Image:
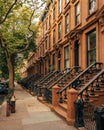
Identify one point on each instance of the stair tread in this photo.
(63, 105)
(99, 91)
(61, 112)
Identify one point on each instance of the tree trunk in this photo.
(11, 72)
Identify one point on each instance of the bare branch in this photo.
(9, 10)
(32, 17)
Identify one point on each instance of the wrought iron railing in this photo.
(81, 79)
(44, 77)
(56, 77)
(71, 72)
(91, 86)
(40, 86)
(28, 81)
(66, 77)
(86, 105)
(31, 82)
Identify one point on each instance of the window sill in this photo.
(66, 34)
(90, 15)
(76, 26)
(59, 40)
(54, 24)
(59, 16)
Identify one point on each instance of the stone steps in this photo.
(59, 110)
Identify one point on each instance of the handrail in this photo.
(60, 72)
(63, 76)
(89, 83)
(45, 76)
(48, 77)
(60, 91)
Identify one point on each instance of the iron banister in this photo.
(89, 83)
(82, 73)
(63, 76)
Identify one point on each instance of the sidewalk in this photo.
(30, 115)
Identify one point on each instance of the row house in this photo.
(71, 33)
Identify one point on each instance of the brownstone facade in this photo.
(71, 33)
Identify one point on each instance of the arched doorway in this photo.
(76, 53)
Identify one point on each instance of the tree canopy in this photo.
(18, 28)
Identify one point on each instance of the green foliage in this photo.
(16, 29)
(10, 93)
(17, 76)
(3, 65)
(14, 32)
(4, 6)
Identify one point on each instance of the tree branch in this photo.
(3, 46)
(9, 10)
(32, 17)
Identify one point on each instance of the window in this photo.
(49, 40)
(54, 15)
(59, 30)
(59, 63)
(92, 6)
(77, 13)
(66, 57)
(67, 23)
(49, 20)
(42, 32)
(40, 51)
(59, 6)
(46, 26)
(53, 62)
(91, 47)
(49, 63)
(46, 45)
(54, 33)
(66, 1)
(43, 49)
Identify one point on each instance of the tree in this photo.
(3, 65)
(17, 31)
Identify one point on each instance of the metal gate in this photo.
(88, 114)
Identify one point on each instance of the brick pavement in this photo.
(30, 115)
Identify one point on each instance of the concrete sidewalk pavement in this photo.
(30, 115)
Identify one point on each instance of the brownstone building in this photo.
(71, 33)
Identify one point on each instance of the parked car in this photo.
(4, 87)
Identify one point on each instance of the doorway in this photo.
(76, 53)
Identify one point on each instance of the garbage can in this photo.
(99, 118)
(12, 105)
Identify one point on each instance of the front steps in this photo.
(64, 110)
(61, 110)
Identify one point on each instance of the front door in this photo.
(76, 54)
